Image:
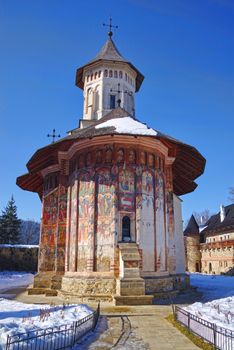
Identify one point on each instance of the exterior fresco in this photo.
(106, 213)
(147, 231)
(61, 231)
(73, 227)
(160, 223)
(126, 190)
(85, 220)
(48, 232)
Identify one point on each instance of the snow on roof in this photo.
(127, 125)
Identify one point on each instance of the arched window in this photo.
(126, 229)
(105, 73)
(110, 73)
(120, 74)
(87, 78)
(91, 78)
(99, 74)
(115, 74)
(95, 75)
(126, 77)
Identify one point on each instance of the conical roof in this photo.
(108, 52)
(192, 227)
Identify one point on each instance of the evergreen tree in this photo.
(9, 224)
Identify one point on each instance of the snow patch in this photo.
(127, 125)
(14, 279)
(218, 297)
(16, 317)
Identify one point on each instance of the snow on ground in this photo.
(218, 297)
(14, 279)
(128, 125)
(16, 317)
(213, 286)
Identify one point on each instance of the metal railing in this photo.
(54, 338)
(221, 338)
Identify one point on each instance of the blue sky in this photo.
(184, 48)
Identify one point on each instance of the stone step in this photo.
(38, 291)
(133, 300)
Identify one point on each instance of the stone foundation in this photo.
(88, 287)
(166, 283)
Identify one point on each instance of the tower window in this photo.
(87, 78)
(105, 73)
(126, 77)
(99, 73)
(120, 74)
(112, 101)
(110, 74)
(95, 76)
(116, 74)
(91, 78)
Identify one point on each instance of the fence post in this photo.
(188, 321)
(7, 343)
(215, 336)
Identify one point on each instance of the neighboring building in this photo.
(192, 246)
(214, 244)
(111, 224)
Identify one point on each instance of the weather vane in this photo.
(110, 25)
(53, 136)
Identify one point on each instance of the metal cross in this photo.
(118, 92)
(110, 25)
(53, 135)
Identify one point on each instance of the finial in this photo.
(110, 25)
(53, 136)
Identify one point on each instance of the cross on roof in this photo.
(110, 25)
(53, 136)
(119, 91)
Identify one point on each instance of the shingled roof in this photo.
(192, 228)
(188, 164)
(109, 52)
(214, 224)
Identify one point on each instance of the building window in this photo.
(105, 73)
(110, 74)
(95, 76)
(126, 77)
(126, 228)
(116, 74)
(112, 101)
(120, 74)
(87, 78)
(99, 74)
(91, 78)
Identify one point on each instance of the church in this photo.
(111, 226)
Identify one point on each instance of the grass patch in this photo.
(194, 338)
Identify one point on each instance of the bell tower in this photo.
(108, 81)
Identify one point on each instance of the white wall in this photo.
(179, 237)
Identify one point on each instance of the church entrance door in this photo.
(126, 229)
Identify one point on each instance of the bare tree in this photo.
(231, 194)
(202, 217)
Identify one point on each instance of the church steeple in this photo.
(108, 81)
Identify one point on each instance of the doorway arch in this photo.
(126, 229)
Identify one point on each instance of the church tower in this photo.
(108, 81)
